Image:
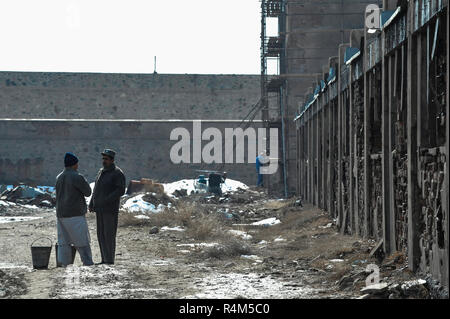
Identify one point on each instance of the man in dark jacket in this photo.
(105, 201)
(71, 190)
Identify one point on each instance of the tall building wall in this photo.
(314, 30)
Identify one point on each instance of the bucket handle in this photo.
(51, 243)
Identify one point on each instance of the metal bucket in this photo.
(40, 255)
(74, 251)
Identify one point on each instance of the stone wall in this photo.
(126, 96)
(32, 151)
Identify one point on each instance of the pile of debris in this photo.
(157, 199)
(145, 185)
(146, 195)
(11, 285)
(413, 289)
(239, 196)
(27, 195)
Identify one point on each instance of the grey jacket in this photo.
(109, 187)
(71, 189)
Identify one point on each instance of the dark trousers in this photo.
(106, 234)
(260, 180)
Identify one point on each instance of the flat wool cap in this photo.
(109, 152)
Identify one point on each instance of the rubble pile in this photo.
(157, 199)
(239, 196)
(27, 195)
(11, 285)
(144, 185)
(413, 289)
(146, 203)
(389, 279)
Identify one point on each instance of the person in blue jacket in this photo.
(259, 163)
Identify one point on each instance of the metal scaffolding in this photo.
(272, 86)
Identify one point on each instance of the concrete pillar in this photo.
(319, 152)
(414, 63)
(310, 157)
(330, 155)
(355, 41)
(350, 139)
(324, 135)
(447, 142)
(315, 152)
(367, 128)
(341, 145)
(299, 158)
(387, 160)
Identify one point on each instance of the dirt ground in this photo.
(205, 247)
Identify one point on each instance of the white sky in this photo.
(197, 36)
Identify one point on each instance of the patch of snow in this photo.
(241, 234)
(176, 228)
(252, 257)
(267, 222)
(337, 260)
(5, 203)
(278, 239)
(412, 283)
(30, 206)
(196, 245)
(4, 265)
(161, 262)
(230, 185)
(326, 226)
(251, 286)
(142, 217)
(12, 219)
(187, 184)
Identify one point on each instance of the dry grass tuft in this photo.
(229, 247)
(127, 219)
(172, 217)
(199, 223)
(277, 204)
(340, 271)
(204, 226)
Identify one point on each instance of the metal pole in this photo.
(284, 143)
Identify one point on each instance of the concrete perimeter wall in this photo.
(58, 95)
(32, 150)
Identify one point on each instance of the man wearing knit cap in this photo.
(105, 201)
(71, 190)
